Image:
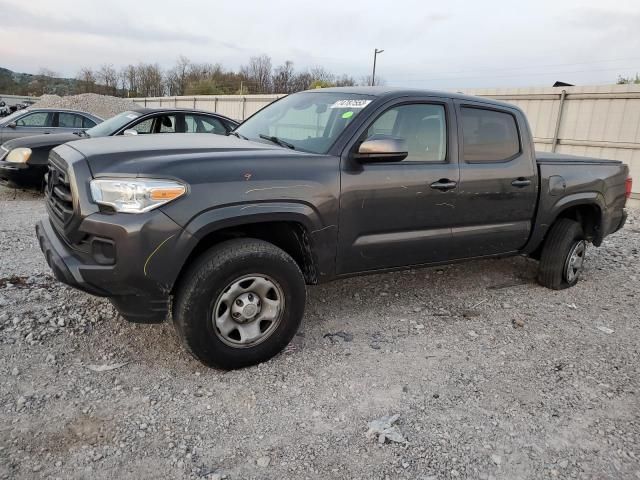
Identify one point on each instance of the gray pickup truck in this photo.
(225, 232)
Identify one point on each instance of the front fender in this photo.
(245, 213)
(320, 238)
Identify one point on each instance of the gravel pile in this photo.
(103, 106)
(478, 372)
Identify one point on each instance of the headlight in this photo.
(19, 155)
(135, 195)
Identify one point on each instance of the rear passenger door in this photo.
(498, 187)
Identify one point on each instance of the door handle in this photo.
(521, 182)
(444, 184)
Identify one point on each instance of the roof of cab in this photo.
(393, 92)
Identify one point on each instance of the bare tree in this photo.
(150, 80)
(301, 81)
(129, 79)
(188, 78)
(178, 76)
(345, 81)
(283, 78)
(258, 73)
(86, 80)
(366, 81)
(44, 82)
(321, 76)
(107, 76)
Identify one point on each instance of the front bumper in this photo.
(21, 175)
(65, 266)
(137, 272)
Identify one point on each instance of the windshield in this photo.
(112, 125)
(307, 121)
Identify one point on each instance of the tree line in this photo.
(258, 76)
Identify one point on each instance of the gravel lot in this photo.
(492, 375)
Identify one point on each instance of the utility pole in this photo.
(373, 75)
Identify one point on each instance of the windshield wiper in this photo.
(81, 133)
(236, 134)
(277, 141)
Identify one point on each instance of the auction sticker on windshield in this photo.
(350, 104)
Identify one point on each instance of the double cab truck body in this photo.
(224, 232)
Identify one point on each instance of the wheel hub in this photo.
(248, 310)
(245, 307)
(575, 261)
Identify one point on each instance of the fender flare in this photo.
(545, 220)
(210, 221)
(241, 214)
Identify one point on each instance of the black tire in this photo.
(207, 280)
(564, 237)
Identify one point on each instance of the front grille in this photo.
(58, 190)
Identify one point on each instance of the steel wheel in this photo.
(575, 261)
(248, 311)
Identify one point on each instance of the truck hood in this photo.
(40, 141)
(145, 155)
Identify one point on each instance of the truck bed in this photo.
(560, 158)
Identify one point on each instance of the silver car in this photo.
(37, 121)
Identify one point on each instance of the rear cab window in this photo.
(489, 136)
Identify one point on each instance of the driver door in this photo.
(32, 123)
(397, 213)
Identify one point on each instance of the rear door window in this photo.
(88, 123)
(489, 136)
(69, 120)
(203, 124)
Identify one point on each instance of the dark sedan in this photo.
(23, 162)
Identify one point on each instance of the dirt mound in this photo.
(103, 106)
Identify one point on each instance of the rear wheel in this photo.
(239, 304)
(563, 255)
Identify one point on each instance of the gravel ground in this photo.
(492, 376)
(103, 106)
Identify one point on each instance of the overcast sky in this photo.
(427, 43)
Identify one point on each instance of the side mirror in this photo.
(12, 125)
(130, 132)
(382, 148)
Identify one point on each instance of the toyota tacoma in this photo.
(223, 233)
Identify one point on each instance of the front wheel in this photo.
(563, 255)
(239, 304)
